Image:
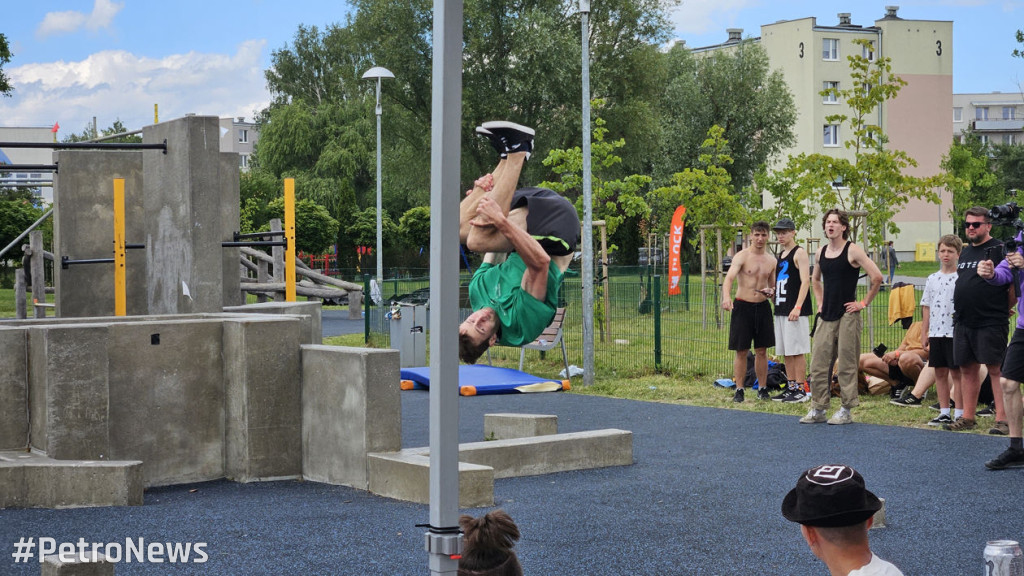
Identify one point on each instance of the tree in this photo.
(116, 128)
(5, 57)
(19, 209)
(707, 191)
(315, 230)
(613, 200)
(734, 89)
(970, 178)
(1017, 52)
(874, 180)
(414, 227)
(363, 229)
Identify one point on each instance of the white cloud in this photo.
(703, 16)
(118, 84)
(102, 15)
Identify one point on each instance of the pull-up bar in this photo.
(87, 145)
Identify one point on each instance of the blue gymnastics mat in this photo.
(479, 379)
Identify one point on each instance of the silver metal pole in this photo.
(443, 539)
(588, 217)
(380, 257)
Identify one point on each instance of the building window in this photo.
(981, 113)
(1008, 112)
(830, 49)
(958, 114)
(243, 161)
(1008, 139)
(828, 96)
(869, 52)
(831, 135)
(984, 139)
(243, 136)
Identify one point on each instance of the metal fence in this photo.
(644, 330)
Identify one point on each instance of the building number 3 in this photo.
(938, 47)
(801, 49)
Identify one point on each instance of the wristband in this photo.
(863, 303)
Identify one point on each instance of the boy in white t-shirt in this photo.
(937, 323)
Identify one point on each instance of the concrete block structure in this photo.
(83, 228)
(31, 480)
(55, 566)
(505, 426)
(344, 416)
(405, 475)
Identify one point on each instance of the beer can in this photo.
(1003, 558)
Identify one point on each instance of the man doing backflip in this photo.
(515, 300)
(754, 270)
(838, 331)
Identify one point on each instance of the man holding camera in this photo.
(981, 320)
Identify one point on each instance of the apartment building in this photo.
(812, 57)
(997, 118)
(39, 181)
(237, 135)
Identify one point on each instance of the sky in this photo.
(78, 59)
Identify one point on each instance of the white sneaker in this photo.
(843, 416)
(813, 417)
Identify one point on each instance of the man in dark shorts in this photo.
(981, 320)
(753, 269)
(1012, 368)
(513, 300)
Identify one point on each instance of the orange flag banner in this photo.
(675, 242)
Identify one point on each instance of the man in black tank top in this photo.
(839, 323)
(792, 309)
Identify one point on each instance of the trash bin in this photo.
(409, 334)
(924, 252)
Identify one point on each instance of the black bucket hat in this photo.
(830, 496)
(784, 224)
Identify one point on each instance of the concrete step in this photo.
(405, 475)
(31, 480)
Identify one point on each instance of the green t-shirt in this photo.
(522, 316)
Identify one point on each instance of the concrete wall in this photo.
(310, 313)
(83, 228)
(350, 407)
(183, 216)
(230, 217)
(263, 436)
(13, 389)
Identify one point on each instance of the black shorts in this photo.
(1013, 364)
(940, 352)
(751, 322)
(985, 345)
(550, 219)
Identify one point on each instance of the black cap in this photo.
(784, 224)
(830, 496)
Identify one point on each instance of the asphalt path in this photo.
(336, 323)
(702, 497)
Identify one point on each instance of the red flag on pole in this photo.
(675, 268)
(56, 126)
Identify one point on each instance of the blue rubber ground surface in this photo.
(702, 498)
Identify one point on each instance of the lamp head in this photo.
(378, 73)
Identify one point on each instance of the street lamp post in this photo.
(588, 208)
(379, 73)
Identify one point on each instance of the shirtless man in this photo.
(754, 270)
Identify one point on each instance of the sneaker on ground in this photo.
(940, 420)
(907, 399)
(762, 394)
(843, 416)
(495, 141)
(1000, 428)
(1010, 458)
(516, 137)
(936, 407)
(781, 397)
(797, 397)
(989, 410)
(813, 417)
(961, 425)
(738, 396)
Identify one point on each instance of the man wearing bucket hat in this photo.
(834, 511)
(792, 311)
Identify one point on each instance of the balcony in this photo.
(998, 125)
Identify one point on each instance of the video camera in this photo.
(1005, 215)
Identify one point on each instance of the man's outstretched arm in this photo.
(535, 279)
